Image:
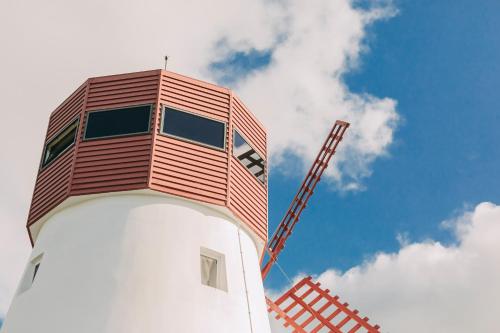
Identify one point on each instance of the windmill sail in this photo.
(307, 308)
(299, 203)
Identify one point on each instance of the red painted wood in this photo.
(310, 318)
(299, 202)
(153, 160)
(52, 183)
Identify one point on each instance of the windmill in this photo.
(150, 213)
(306, 307)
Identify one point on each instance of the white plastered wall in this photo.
(131, 263)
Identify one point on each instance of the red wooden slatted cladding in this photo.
(307, 308)
(120, 163)
(153, 160)
(52, 182)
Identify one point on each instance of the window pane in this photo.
(194, 128)
(35, 271)
(249, 157)
(124, 121)
(60, 143)
(208, 271)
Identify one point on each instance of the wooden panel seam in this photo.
(79, 135)
(155, 128)
(229, 148)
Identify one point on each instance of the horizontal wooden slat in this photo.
(190, 179)
(124, 169)
(243, 173)
(112, 151)
(204, 94)
(46, 204)
(259, 214)
(241, 191)
(257, 142)
(207, 156)
(66, 112)
(248, 198)
(248, 191)
(195, 158)
(117, 175)
(190, 107)
(247, 131)
(60, 163)
(144, 157)
(201, 85)
(250, 117)
(169, 142)
(255, 215)
(111, 156)
(111, 93)
(144, 163)
(90, 146)
(174, 94)
(107, 183)
(161, 168)
(185, 193)
(124, 140)
(183, 183)
(110, 80)
(124, 101)
(108, 188)
(34, 216)
(58, 125)
(124, 86)
(58, 180)
(190, 161)
(119, 95)
(166, 163)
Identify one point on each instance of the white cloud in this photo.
(50, 47)
(301, 92)
(430, 287)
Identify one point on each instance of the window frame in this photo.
(87, 115)
(162, 132)
(221, 270)
(76, 122)
(264, 183)
(30, 274)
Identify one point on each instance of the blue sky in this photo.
(441, 63)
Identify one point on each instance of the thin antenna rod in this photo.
(166, 60)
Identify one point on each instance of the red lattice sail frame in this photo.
(306, 190)
(306, 308)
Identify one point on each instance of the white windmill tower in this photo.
(142, 218)
(149, 214)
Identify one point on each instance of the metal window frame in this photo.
(87, 114)
(263, 182)
(74, 121)
(162, 132)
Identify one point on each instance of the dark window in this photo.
(194, 128)
(117, 122)
(35, 271)
(249, 157)
(60, 143)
